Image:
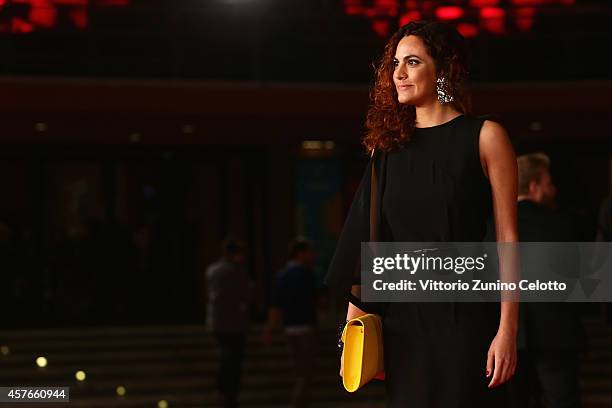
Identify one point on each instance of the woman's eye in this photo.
(413, 62)
(395, 63)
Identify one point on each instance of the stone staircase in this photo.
(177, 364)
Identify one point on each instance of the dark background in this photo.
(135, 135)
(293, 40)
(133, 144)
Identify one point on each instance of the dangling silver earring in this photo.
(444, 95)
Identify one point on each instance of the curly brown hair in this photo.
(390, 124)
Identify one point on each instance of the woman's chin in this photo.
(404, 99)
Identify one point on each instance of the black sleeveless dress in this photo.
(431, 190)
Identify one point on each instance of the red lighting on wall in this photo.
(386, 7)
(71, 2)
(353, 7)
(492, 19)
(408, 17)
(113, 3)
(494, 26)
(381, 27)
(449, 13)
(484, 3)
(492, 13)
(19, 25)
(471, 17)
(79, 18)
(43, 14)
(467, 30)
(528, 2)
(524, 18)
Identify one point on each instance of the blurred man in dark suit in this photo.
(294, 304)
(604, 221)
(604, 234)
(552, 333)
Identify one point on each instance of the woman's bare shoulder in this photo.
(492, 129)
(495, 146)
(494, 138)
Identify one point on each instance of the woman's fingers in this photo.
(501, 359)
(512, 369)
(507, 371)
(504, 370)
(490, 363)
(496, 372)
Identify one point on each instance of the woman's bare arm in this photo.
(499, 165)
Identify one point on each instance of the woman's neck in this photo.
(434, 114)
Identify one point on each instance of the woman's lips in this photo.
(403, 87)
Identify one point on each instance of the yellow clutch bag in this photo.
(362, 352)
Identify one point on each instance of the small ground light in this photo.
(312, 144)
(535, 126)
(5, 350)
(162, 404)
(121, 390)
(41, 362)
(135, 137)
(80, 375)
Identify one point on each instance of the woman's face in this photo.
(415, 72)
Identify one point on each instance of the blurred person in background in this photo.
(228, 292)
(12, 290)
(294, 304)
(604, 221)
(604, 234)
(552, 332)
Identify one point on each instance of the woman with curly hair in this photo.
(442, 175)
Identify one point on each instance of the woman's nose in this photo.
(400, 73)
